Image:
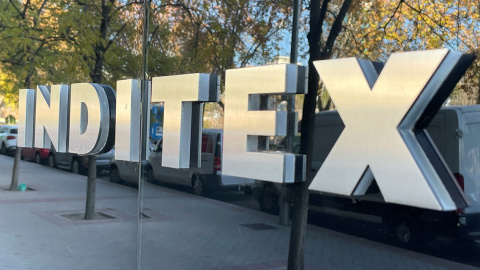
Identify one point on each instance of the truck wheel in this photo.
(197, 186)
(269, 200)
(75, 167)
(405, 231)
(115, 175)
(38, 159)
(150, 175)
(51, 161)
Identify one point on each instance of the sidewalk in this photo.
(179, 231)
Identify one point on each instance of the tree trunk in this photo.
(16, 162)
(300, 194)
(296, 252)
(91, 182)
(319, 50)
(18, 151)
(97, 77)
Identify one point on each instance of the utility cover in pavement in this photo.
(259, 226)
(81, 216)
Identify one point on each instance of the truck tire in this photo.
(75, 166)
(51, 161)
(115, 175)
(38, 159)
(150, 175)
(269, 199)
(197, 186)
(405, 231)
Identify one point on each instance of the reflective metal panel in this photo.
(181, 95)
(244, 120)
(379, 140)
(51, 117)
(26, 117)
(89, 118)
(127, 134)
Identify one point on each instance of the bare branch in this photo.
(41, 7)
(115, 37)
(432, 28)
(16, 8)
(336, 28)
(129, 4)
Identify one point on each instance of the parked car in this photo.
(455, 130)
(38, 155)
(78, 164)
(205, 178)
(8, 138)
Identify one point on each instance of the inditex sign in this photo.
(384, 115)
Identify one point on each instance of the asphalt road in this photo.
(459, 250)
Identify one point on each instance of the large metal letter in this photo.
(182, 96)
(51, 117)
(26, 117)
(127, 138)
(385, 117)
(92, 114)
(244, 122)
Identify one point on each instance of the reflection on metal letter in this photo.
(51, 117)
(183, 96)
(244, 121)
(26, 117)
(385, 116)
(92, 110)
(127, 138)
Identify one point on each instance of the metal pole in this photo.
(143, 130)
(283, 199)
(294, 44)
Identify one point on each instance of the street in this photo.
(449, 249)
(459, 250)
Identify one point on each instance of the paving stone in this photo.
(184, 231)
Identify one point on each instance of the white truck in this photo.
(456, 132)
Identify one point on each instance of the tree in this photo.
(374, 30)
(402, 25)
(215, 35)
(326, 21)
(98, 27)
(29, 39)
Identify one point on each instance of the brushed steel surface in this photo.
(26, 117)
(127, 133)
(182, 96)
(244, 121)
(380, 113)
(51, 117)
(89, 118)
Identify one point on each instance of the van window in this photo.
(207, 144)
(13, 131)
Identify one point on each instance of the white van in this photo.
(456, 132)
(207, 177)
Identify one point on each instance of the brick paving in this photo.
(182, 231)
